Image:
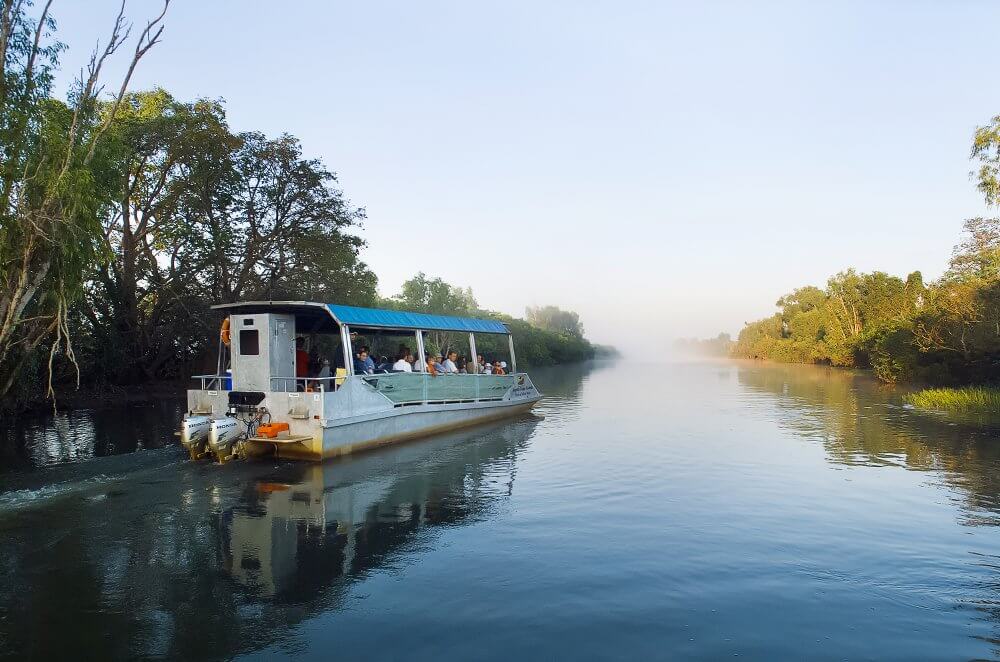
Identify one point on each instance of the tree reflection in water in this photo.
(863, 422)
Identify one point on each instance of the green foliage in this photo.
(201, 215)
(973, 399)
(891, 352)
(535, 345)
(123, 220)
(986, 151)
(552, 318)
(948, 332)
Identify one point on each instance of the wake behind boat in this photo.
(267, 404)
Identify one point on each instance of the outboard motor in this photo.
(223, 435)
(194, 434)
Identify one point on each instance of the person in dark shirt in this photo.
(363, 364)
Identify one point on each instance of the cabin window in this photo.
(249, 342)
(248, 321)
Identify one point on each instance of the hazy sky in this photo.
(664, 169)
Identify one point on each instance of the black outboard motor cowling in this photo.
(245, 401)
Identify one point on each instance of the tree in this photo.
(978, 255)
(552, 318)
(435, 296)
(986, 151)
(145, 301)
(273, 222)
(51, 187)
(203, 216)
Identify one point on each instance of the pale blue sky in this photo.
(664, 169)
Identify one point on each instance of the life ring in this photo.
(224, 332)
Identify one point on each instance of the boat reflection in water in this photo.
(193, 562)
(302, 528)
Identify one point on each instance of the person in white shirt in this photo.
(404, 363)
(449, 363)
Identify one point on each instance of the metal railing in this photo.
(215, 382)
(402, 388)
(307, 384)
(282, 384)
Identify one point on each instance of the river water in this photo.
(686, 510)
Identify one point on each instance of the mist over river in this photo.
(684, 510)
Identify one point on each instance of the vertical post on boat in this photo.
(475, 364)
(420, 349)
(472, 348)
(345, 340)
(422, 358)
(513, 361)
(218, 369)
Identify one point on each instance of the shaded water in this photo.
(693, 510)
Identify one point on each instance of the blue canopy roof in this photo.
(401, 319)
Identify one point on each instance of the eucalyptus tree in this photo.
(51, 186)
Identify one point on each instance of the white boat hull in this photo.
(402, 425)
(364, 414)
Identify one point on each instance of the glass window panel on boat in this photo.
(408, 388)
(250, 342)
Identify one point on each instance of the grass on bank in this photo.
(975, 399)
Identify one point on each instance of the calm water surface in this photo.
(689, 510)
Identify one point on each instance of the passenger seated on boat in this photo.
(449, 367)
(404, 361)
(498, 368)
(363, 364)
(433, 365)
(324, 371)
(462, 365)
(369, 361)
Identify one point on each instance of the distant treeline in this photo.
(944, 332)
(547, 336)
(721, 345)
(123, 220)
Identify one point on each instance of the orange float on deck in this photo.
(271, 430)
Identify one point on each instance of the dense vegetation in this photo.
(945, 332)
(123, 219)
(974, 399)
(548, 336)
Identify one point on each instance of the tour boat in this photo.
(261, 407)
